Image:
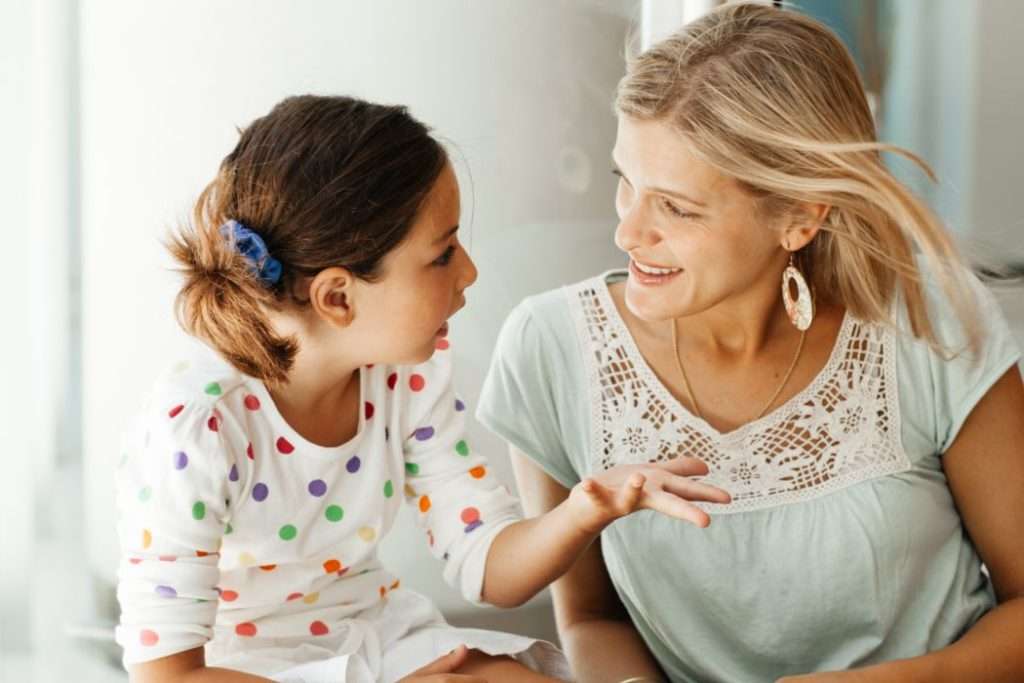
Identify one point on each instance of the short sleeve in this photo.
(460, 504)
(958, 379)
(523, 396)
(172, 499)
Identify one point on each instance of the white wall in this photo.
(522, 87)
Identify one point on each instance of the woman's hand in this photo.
(666, 487)
(442, 669)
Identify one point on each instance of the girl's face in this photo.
(692, 234)
(404, 313)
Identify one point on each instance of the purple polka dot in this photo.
(353, 464)
(424, 433)
(387, 434)
(166, 592)
(474, 525)
(233, 474)
(260, 492)
(180, 460)
(459, 406)
(317, 487)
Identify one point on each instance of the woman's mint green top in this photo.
(842, 546)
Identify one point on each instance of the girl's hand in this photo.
(442, 669)
(665, 487)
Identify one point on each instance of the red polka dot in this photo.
(248, 452)
(247, 629)
(318, 628)
(470, 515)
(331, 566)
(213, 423)
(228, 596)
(368, 410)
(148, 638)
(201, 553)
(173, 413)
(442, 345)
(417, 382)
(252, 403)
(284, 446)
(392, 380)
(294, 596)
(383, 591)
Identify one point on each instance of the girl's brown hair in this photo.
(324, 181)
(773, 99)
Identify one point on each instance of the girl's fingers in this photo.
(631, 492)
(685, 466)
(694, 490)
(674, 506)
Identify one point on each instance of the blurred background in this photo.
(116, 113)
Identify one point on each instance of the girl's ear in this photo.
(332, 296)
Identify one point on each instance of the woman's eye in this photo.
(445, 258)
(676, 211)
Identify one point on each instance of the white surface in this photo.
(524, 90)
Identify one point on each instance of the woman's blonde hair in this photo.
(773, 99)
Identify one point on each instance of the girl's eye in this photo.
(445, 258)
(676, 211)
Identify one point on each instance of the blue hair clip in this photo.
(251, 246)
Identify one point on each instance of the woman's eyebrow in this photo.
(661, 190)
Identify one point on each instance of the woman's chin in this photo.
(652, 308)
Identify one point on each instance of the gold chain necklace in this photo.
(689, 391)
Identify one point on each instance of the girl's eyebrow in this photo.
(661, 190)
(448, 234)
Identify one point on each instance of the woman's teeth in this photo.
(651, 270)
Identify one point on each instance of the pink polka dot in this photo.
(252, 403)
(368, 410)
(442, 345)
(392, 380)
(135, 560)
(283, 446)
(173, 413)
(294, 596)
(470, 515)
(318, 628)
(148, 638)
(247, 629)
(417, 382)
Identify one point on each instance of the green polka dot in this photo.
(213, 389)
(334, 513)
(462, 448)
(389, 489)
(228, 530)
(144, 493)
(412, 468)
(124, 459)
(288, 532)
(199, 510)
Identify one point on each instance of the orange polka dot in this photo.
(424, 503)
(383, 591)
(247, 629)
(311, 598)
(470, 515)
(331, 566)
(417, 382)
(201, 553)
(147, 538)
(148, 638)
(268, 567)
(228, 596)
(478, 472)
(396, 584)
(318, 628)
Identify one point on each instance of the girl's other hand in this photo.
(442, 669)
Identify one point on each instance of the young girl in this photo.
(321, 269)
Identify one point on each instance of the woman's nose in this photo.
(634, 229)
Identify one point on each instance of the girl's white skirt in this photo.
(381, 645)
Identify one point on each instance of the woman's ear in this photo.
(805, 223)
(332, 296)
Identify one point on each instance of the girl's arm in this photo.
(596, 633)
(530, 554)
(188, 667)
(985, 469)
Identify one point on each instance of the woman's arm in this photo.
(597, 635)
(985, 470)
(528, 555)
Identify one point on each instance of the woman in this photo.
(867, 422)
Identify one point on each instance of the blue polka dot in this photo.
(166, 592)
(180, 460)
(353, 464)
(260, 492)
(424, 433)
(317, 487)
(233, 474)
(459, 406)
(474, 525)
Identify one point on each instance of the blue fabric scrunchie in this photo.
(252, 247)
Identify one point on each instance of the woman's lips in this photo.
(650, 279)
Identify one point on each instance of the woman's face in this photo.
(692, 234)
